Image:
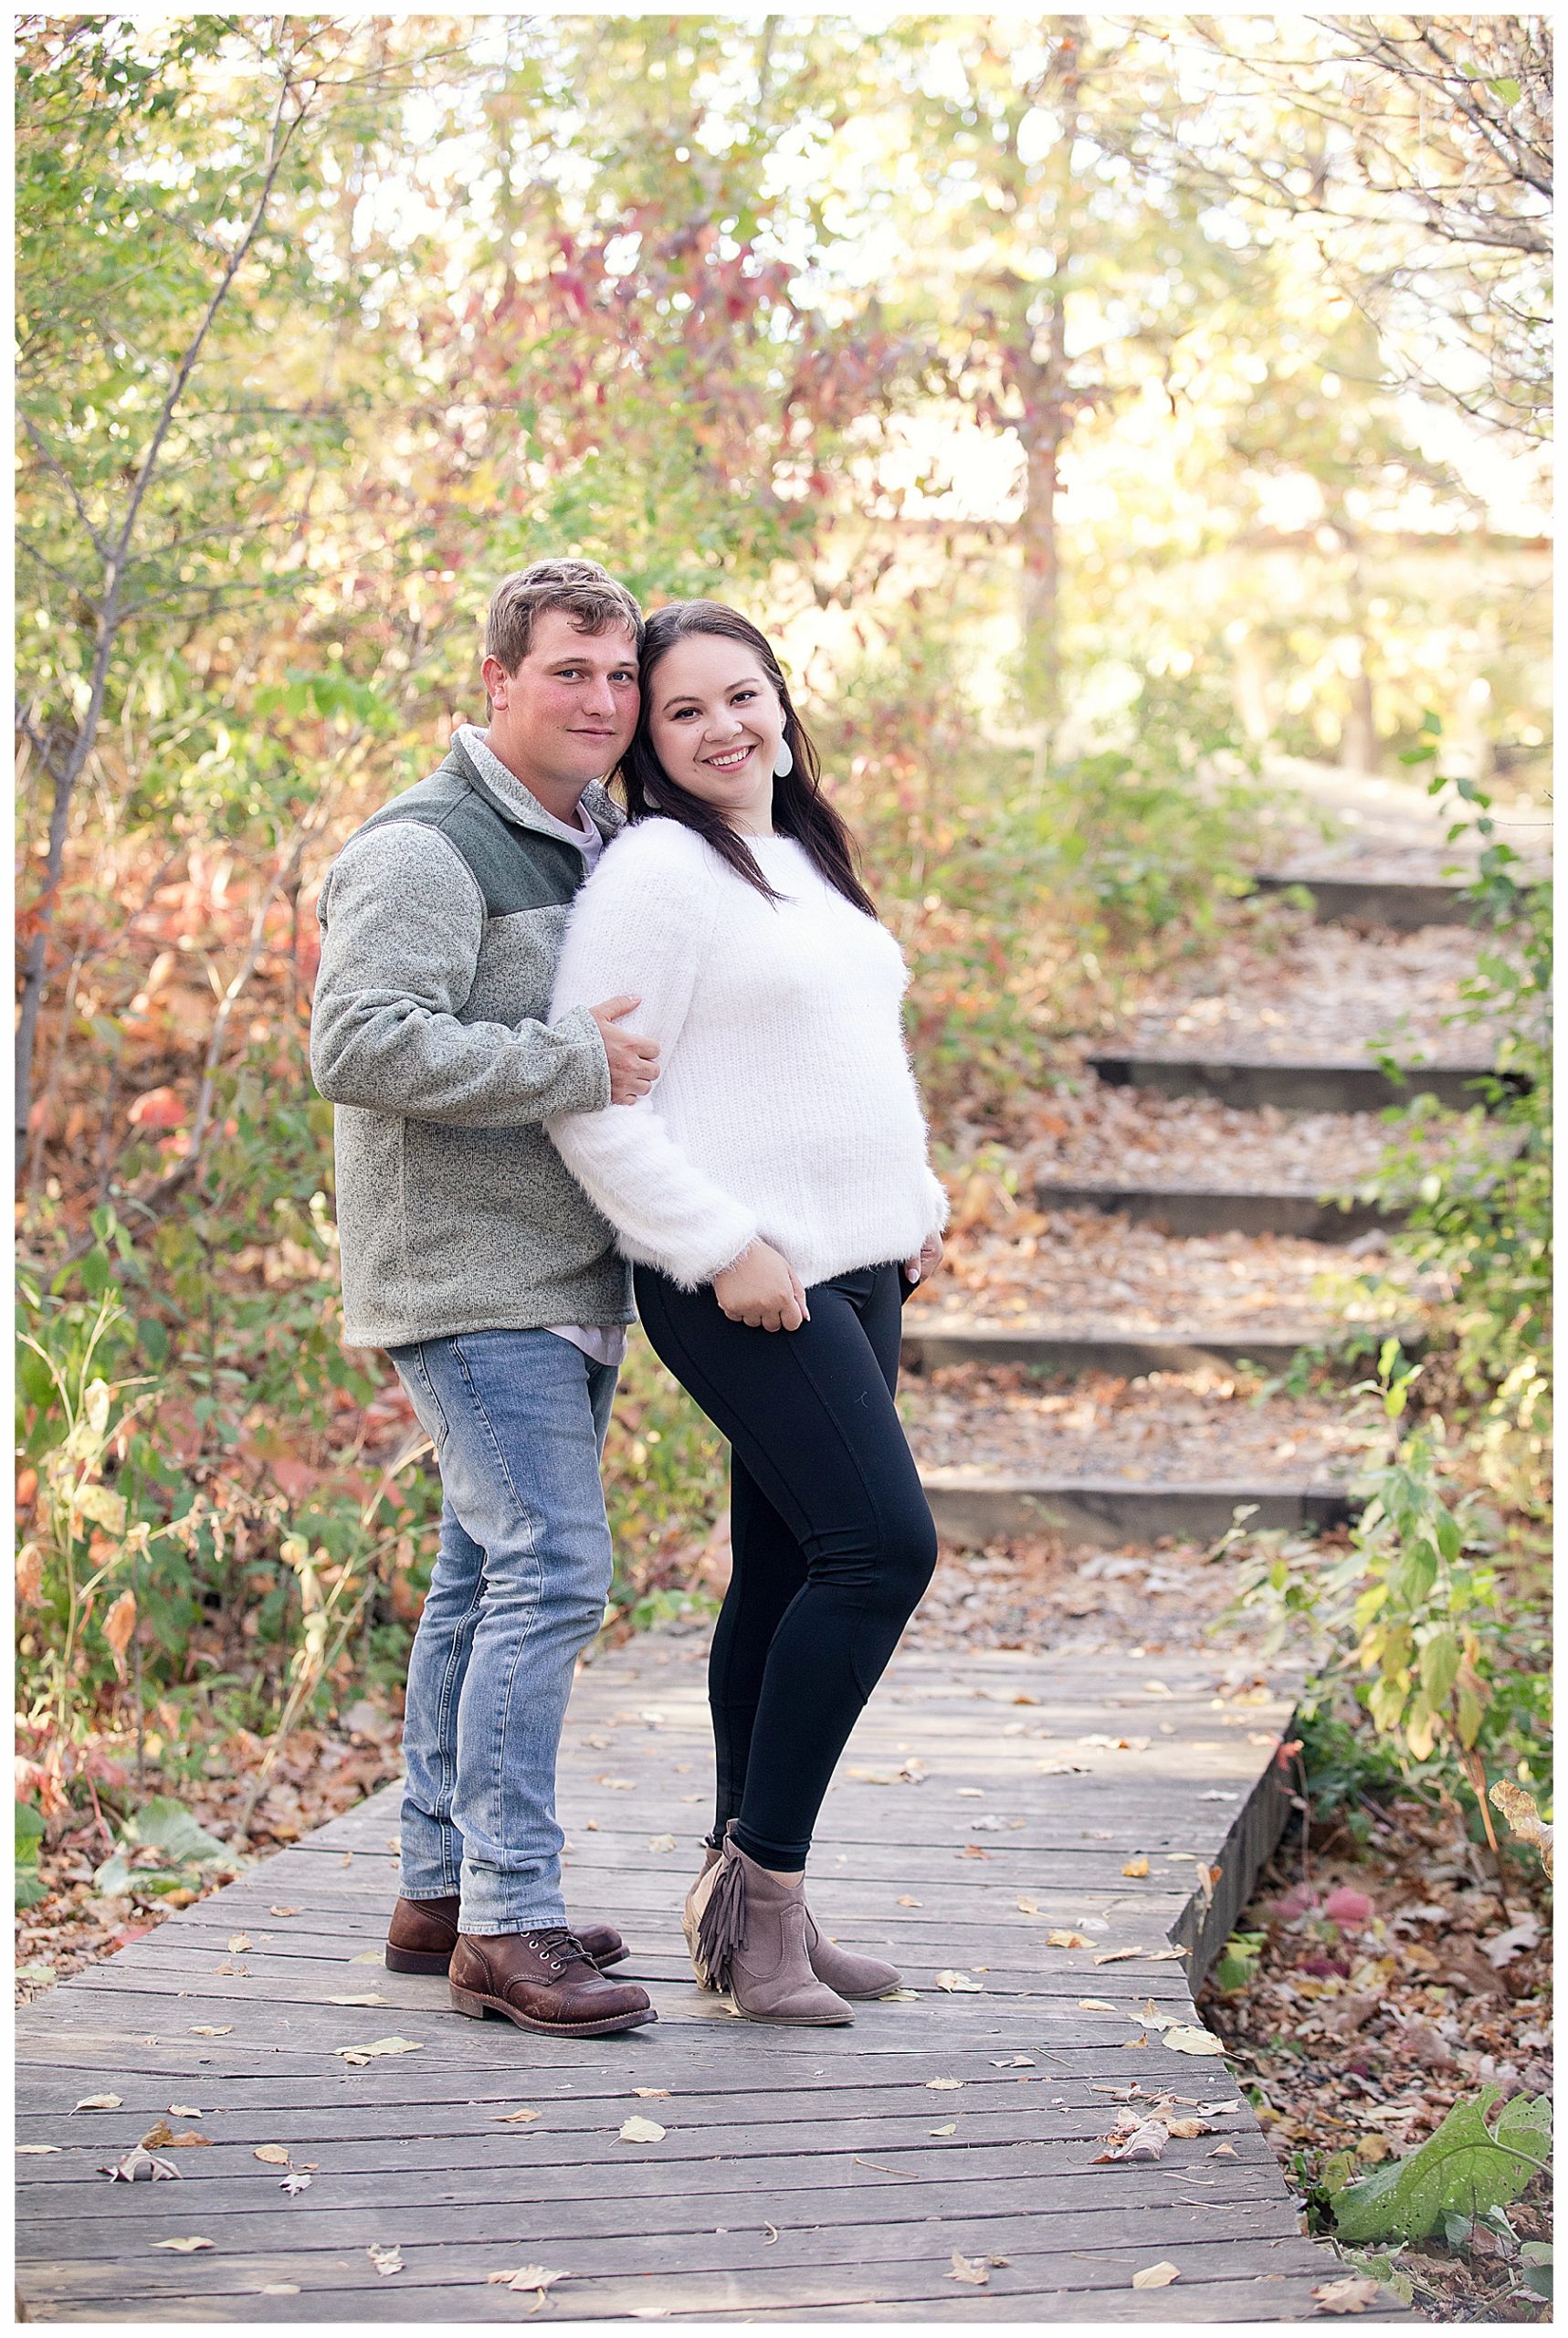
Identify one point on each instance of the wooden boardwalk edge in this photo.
(985, 1801)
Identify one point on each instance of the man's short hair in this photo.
(588, 593)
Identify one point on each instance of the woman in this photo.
(774, 1195)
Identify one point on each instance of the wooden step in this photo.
(1350, 1086)
(1400, 906)
(1103, 1513)
(1218, 1209)
(981, 1340)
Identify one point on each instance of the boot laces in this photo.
(560, 1945)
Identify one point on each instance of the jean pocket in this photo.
(420, 1389)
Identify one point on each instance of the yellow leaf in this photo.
(238, 1942)
(1067, 1940)
(186, 2248)
(951, 2129)
(1137, 1865)
(943, 2086)
(275, 2154)
(653, 2093)
(370, 1998)
(1028, 1907)
(974, 2269)
(642, 2130)
(524, 2118)
(1182, 2039)
(355, 2055)
(1157, 2277)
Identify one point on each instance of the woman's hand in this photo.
(929, 1261)
(762, 1289)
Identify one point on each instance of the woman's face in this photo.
(716, 722)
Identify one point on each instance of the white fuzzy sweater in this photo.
(785, 1104)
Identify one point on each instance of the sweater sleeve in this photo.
(643, 925)
(400, 944)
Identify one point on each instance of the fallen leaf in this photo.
(184, 2110)
(653, 2093)
(1157, 2277)
(370, 1998)
(278, 2289)
(99, 2102)
(902, 1998)
(1116, 1955)
(385, 2260)
(1068, 1940)
(1137, 1865)
(526, 2277)
(186, 2248)
(642, 2130)
(294, 2182)
(1187, 2130)
(974, 2269)
(1095, 2005)
(524, 2118)
(1028, 1907)
(1503, 1947)
(282, 1911)
(359, 2054)
(369, 1957)
(1013, 2062)
(1182, 2039)
(275, 2154)
(951, 2129)
(140, 2166)
(186, 2142)
(38, 2151)
(238, 1942)
(970, 1794)
(1134, 2139)
(655, 1843)
(943, 2086)
(956, 1982)
(211, 2028)
(907, 1903)
(1225, 2151)
(1353, 2293)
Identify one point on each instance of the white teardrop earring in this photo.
(783, 762)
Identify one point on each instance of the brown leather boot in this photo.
(751, 1935)
(423, 1933)
(542, 1980)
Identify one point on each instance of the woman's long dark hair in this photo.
(800, 808)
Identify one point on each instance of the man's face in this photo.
(567, 714)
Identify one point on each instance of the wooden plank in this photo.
(834, 2141)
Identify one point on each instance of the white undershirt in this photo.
(600, 1342)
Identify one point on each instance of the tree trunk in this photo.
(1042, 377)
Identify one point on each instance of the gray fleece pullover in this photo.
(441, 923)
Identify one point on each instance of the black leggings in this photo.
(832, 1536)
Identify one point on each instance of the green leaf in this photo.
(1507, 90)
(1465, 2169)
(166, 1826)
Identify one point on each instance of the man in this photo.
(470, 1254)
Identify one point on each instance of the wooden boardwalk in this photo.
(814, 2175)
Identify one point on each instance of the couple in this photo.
(572, 1055)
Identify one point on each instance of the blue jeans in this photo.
(518, 1420)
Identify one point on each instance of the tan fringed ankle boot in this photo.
(749, 1938)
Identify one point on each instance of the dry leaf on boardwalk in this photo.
(1157, 2277)
(642, 2130)
(524, 2118)
(186, 2248)
(1118, 1955)
(386, 2260)
(956, 1982)
(1187, 2130)
(1068, 1940)
(295, 2181)
(369, 1957)
(655, 1843)
(140, 2166)
(184, 2110)
(38, 2151)
(951, 2129)
(1132, 2138)
(1225, 2151)
(1026, 1907)
(526, 2277)
(285, 1911)
(368, 1997)
(1351, 2294)
(275, 2154)
(279, 2290)
(1183, 2039)
(356, 2055)
(238, 1942)
(99, 2102)
(653, 2093)
(211, 2028)
(1096, 2004)
(974, 2269)
(905, 1902)
(943, 2086)
(1138, 1865)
